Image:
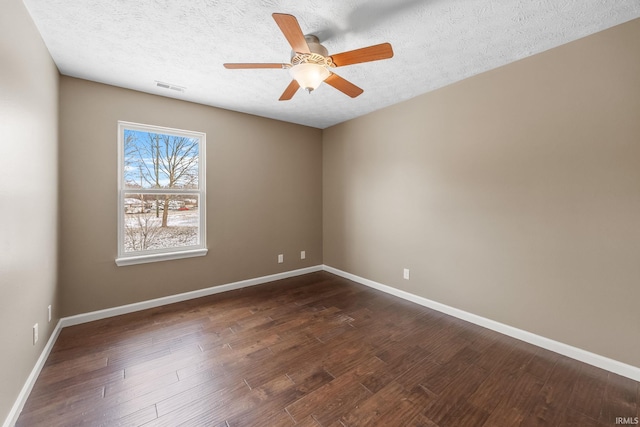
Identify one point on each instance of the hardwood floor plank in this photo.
(204, 409)
(574, 418)
(507, 368)
(512, 410)
(34, 411)
(494, 355)
(447, 345)
(310, 379)
(555, 394)
(465, 414)
(261, 417)
(441, 377)
(415, 403)
(542, 363)
(137, 418)
(395, 368)
(620, 399)
(421, 420)
(129, 389)
(308, 422)
(445, 409)
(588, 392)
(345, 384)
(76, 365)
(168, 363)
(281, 363)
(176, 399)
(345, 400)
(261, 406)
(316, 351)
(73, 385)
(130, 400)
(375, 406)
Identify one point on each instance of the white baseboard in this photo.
(130, 308)
(602, 362)
(14, 413)
(143, 305)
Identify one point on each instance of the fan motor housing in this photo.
(314, 45)
(319, 54)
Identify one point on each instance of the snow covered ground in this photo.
(144, 231)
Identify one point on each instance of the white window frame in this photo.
(155, 255)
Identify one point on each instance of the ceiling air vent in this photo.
(170, 86)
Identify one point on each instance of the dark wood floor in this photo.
(315, 350)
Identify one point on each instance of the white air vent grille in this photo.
(170, 86)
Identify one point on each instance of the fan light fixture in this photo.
(309, 75)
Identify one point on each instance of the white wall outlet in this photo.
(405, 274)
(303, 254)
(35, 333)
(280, 258)
(49, 312)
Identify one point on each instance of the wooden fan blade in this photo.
(241, 66)
(344, 86)
(365, 54)
(290, 91)
(291, 29)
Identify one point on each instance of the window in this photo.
(161, 194)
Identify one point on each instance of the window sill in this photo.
(143, 259)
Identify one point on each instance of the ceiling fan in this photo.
(310, 62)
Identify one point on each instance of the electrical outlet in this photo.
(35, 333)
(405, 274)
(280, 258)
(303, 254)
(49, 312)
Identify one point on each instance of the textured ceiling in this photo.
(134, 43)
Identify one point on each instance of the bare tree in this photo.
(164, 161)
(142, 233)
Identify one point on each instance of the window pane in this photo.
(157, 160)
(160, 221)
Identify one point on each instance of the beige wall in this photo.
(514, 195)
(28, 197)
(264, 197)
